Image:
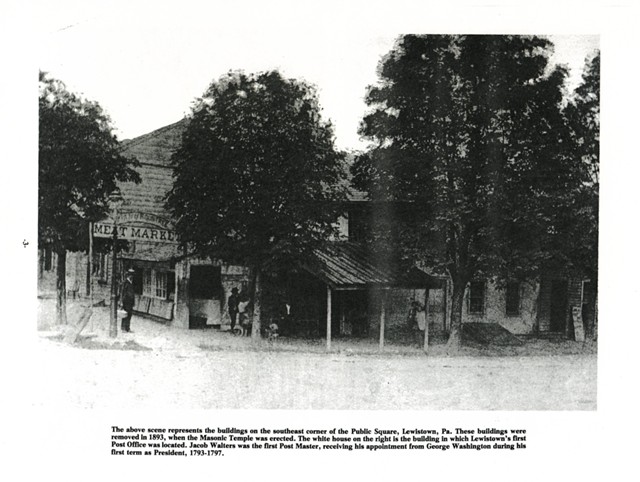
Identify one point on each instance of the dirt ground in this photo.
(158, 366)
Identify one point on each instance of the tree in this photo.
(583, 114)
(79, 164)
(257, 177)
(469, 131)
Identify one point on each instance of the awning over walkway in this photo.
(150, 255)
(349, 266)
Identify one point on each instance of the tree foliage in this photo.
(469, 130)
(79, 164)
(583, 114)
(257, 177)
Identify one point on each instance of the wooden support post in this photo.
(113, 305)
(328, 318)
(89, 283)
(426, 320)
(176, 278)
(382, 318)
(90, 272)
(595, 316)
(445, 295)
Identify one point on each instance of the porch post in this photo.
(445, 311)
(426, 320)
(382, 318)
(89, 283)
(176, 279)
(328, 317)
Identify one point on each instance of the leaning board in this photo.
(578, 327)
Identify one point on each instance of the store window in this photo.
(476, 297)
(357, 224)
(158, 284)
(161, 284)
(48, 259)
(99, 265)
(148, 288)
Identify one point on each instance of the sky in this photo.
(146, 62)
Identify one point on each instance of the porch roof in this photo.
(349, 266)
(160, 252)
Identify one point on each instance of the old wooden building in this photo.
(170, 286)
(343, 291)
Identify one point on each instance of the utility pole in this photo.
(90, 266)
(116, 199)
(113, 325)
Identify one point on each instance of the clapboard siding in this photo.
(157, 146)
(154, 152)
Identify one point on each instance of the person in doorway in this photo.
(128, 299)
(244, 316)
(233, 302)
(417, 321)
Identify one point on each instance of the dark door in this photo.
(558, 311)
(205, 296)
(205, 282)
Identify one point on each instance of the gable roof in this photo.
(156, 147)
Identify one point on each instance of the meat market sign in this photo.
(159, 233)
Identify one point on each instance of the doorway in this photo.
(559, 302)
(205, 296)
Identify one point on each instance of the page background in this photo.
(588, 445)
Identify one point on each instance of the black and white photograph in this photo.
(331, 233)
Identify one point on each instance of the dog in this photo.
(272, 332)
(239, 330)
(242, 329)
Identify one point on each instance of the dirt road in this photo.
(213, 378)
